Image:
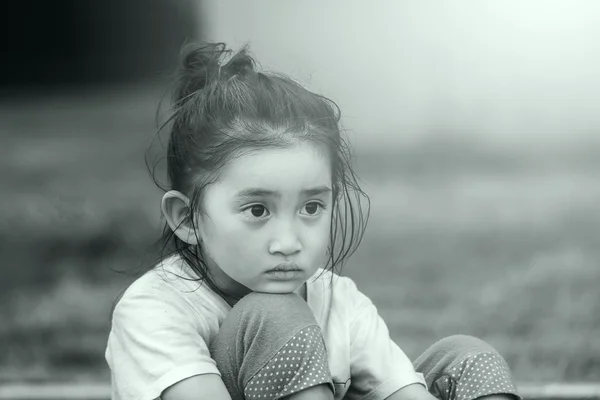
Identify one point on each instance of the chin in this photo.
(279, 288)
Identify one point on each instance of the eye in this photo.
(256, 211)
(313, 208)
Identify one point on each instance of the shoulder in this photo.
(339, 294)
(331, 279)
(168, 291)
(161, 332)
(335, 284)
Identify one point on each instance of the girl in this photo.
(263, 205)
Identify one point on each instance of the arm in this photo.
(412, 392)
(199, 387)
(211, 386)
(319, 392)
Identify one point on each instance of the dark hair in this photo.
(223, 108)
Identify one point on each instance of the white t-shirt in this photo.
(164, 323)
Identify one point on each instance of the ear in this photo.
(176, 209)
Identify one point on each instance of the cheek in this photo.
(319, 238)
(227, 239)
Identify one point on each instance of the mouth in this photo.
(285, 272)
(286, 267)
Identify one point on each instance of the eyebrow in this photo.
(260, 192)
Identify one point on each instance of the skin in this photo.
(245, 234)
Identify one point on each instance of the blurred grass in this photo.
(463, 238)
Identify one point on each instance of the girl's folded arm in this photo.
(198, 387)
(415, 391)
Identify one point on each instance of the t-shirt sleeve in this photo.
(154, 344)
(378, 366)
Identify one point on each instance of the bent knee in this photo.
(267, 312)
(269, 300)
(464, 344)
(260, 321)
(272, 305)
(451, 350)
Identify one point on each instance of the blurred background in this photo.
(476, 133)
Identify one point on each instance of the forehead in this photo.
(283, 169)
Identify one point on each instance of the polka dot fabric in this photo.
(301, 363)
(479, 375)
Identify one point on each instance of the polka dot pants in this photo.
(479, 375)
(300, 364)
(465, 368)
(271, 347)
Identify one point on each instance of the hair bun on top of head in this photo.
(202, 64)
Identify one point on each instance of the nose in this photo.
(285, 241)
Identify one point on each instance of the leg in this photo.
(465, 368)
(270, 347)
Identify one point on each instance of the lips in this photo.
(285, 267)
(285, 273)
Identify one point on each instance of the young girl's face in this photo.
(270, 210)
